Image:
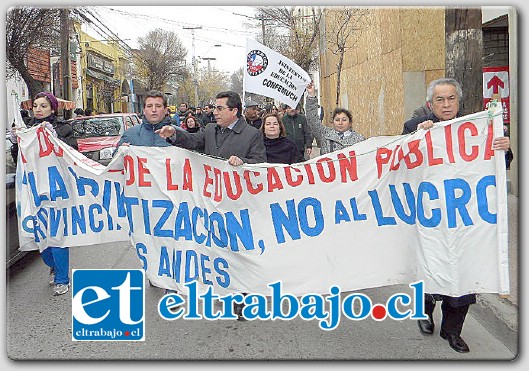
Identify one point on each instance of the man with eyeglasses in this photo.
(443, 97)
(230, 137)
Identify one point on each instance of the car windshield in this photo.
(97, 127)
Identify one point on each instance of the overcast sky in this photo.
(220, 25)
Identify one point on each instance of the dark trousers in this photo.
(453, 317)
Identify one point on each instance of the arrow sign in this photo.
(495, 83)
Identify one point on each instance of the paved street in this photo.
(39, 327)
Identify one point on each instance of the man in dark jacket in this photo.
(155, 116)
(183, 111)
(250, 114)
(443, 97)
(230, 137)
(208, 117)
(298, 130)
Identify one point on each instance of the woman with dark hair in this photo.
(334, 138)
(45, 108)
(190, 124)
(279, 149)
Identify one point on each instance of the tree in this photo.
(290, 32)
(30, 28)
(236, 81)
(345, 29)
(161, 54)
(186, 87)
(211, 82)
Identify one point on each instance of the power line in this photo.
(182, 25)
(112, 33)
(107, 35)
(178, 23)
(98, 20)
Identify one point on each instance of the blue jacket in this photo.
(144, 135)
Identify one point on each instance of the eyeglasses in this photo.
(220, 108)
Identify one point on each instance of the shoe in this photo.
(456, 342)
(52, 276)
(237, 309)
(61, 289)
(426, 325)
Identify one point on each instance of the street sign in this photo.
(496, 86)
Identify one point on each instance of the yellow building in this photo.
(103, 72)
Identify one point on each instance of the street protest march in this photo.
(431, 205)
(273, 75)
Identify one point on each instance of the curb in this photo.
(500, 317)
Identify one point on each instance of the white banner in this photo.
(429, 206)
(273, 75)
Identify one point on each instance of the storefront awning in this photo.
(101, 76)
(64, 104)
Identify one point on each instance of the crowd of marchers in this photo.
(248, 133)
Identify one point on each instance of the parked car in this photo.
(11, 166)
(13, 254)
(97, 136)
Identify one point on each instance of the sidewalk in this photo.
(498, 313)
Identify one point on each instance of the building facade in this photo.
(105, 77)
(397, 51)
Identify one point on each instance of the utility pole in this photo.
(464, 54)
(263, 27)
(66, 70)
(263, 30)
(209, 59)
(195, 80)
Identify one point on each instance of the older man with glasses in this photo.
(230, 137)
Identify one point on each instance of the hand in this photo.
(13, 134)
(166, 132)
(235, 161)
(501, 143)
(47, 125)
(308, 151)
(425, 125)
(311, 90)
(125, 144)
